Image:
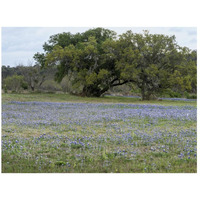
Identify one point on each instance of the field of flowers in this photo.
(43, 137)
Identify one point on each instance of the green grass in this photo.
(45, 97)
(27, 151)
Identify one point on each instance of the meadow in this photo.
(59, 133)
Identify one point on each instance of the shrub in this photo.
(192, 96)
(24, 85)
(175, 94)
(170, 93)
(14, 83)
(51, 86)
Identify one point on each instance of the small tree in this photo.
(14, 83)
(33, 75)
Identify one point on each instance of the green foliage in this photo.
(24, 85)
(98, 61)
(34, 76)
(184, 77)
(152, 61)
(6, 71)
(175, 94)
(66, 84)
(51, 85)
(5, 89)
(40, 58)
(84, 61)
(190, 96)
(91, 78)
(14, 83)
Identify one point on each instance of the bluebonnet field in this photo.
(98, 137)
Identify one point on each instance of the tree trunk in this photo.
(32, 88)
(145, 94)
(146, 97)
(91, 91)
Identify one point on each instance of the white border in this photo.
(107, 13)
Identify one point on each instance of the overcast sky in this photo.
(20, 44)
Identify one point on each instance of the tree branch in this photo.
(122, 83)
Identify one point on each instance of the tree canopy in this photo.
(98, 59)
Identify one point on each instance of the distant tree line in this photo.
(26, 77)
(96, 61)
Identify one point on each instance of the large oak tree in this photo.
(97, 60)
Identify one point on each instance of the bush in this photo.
(14, 83)
(66, 84)
(5, 89)
(24, 85)
(192, 96)
(51, 86)
(170, 93)
(175, 94)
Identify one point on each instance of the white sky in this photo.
(19, 44)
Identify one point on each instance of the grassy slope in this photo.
(70, 98)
